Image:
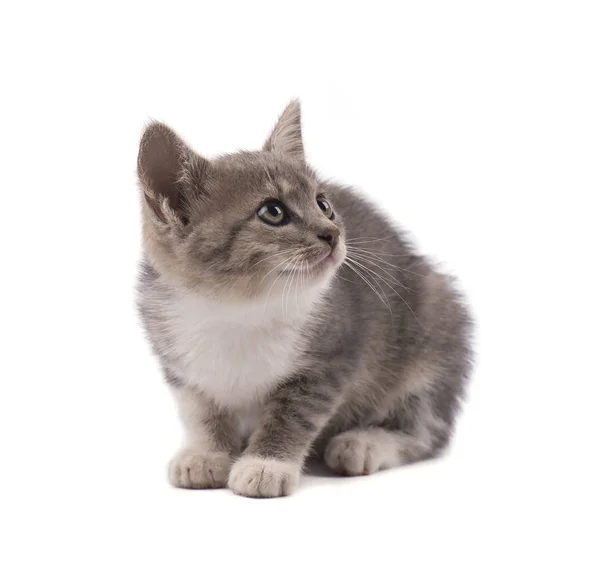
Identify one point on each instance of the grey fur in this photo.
(381, 343)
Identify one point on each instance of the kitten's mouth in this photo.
(319, 265)
(330, 260)
(330, 256)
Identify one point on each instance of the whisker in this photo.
(283, 294)
(297, 282)
(362, 248)
(344, 278)
(371, 262)
(275, 255)
(292, 279)
(392, 288)
(377, 256)
(284, 262)
(368, 273)
(275, 267)
(371, 238)
(304, 275)
(369, 270)
(350, 266)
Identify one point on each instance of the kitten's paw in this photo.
(193, 469)
(358, 453)
(257, 477)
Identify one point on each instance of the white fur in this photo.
(257, 477)
(247, 419)
(237, 353)
(197, 469)
(192, 408)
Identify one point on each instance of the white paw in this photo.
(358, 453)
(257, 477)
(193, 469)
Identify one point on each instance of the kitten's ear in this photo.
(286, 137)
(170, 173)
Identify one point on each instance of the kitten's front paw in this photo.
(193, 469)
(257, 477)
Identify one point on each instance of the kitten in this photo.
(290, 318)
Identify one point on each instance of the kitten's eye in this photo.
(325, 207)
(272, 213)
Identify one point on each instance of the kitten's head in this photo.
(241, 224)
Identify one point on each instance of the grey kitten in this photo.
(290, 318)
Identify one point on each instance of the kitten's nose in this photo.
(330, 235)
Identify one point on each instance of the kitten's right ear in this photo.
(286, 137)
(170, 173)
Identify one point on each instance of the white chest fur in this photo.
(235, 353)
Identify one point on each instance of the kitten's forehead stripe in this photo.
(284, 185)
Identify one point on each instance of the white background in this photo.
(475, 124)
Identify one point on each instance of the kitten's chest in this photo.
(234, 355)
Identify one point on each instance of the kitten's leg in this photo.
(294, 415)
(365, 450)
(210, 442)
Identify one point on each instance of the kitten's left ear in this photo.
(170, 173)
(286, 137)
